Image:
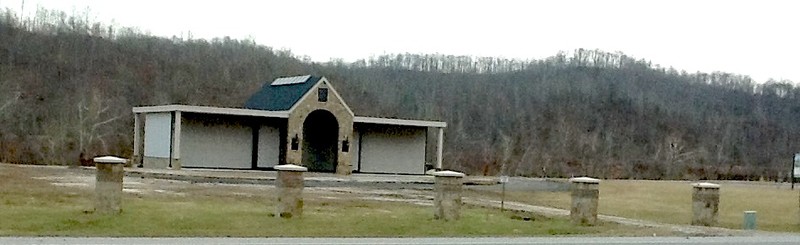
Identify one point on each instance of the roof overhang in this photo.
(279, 114)
(399, 122)
(211, 110)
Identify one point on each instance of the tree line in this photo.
(67, 87)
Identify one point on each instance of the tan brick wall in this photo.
(337, 107)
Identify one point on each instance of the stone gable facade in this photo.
(309, 103)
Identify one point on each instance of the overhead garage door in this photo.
(392, 149)
(215, 143)
(268, 146)
(158, 135)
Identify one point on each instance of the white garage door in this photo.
(158, 134)
(392, 149)
(216, 144)
(268, 146)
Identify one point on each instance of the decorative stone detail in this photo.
(705, 204)
(585, 198)
(108, 186)
(290, 190)
(447, 200)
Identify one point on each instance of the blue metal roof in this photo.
(280, 96)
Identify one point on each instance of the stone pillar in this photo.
(290, 190)
(585, 197)
(705, 204)
(447, 200)
(108, 184)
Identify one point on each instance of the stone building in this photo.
(298, 120)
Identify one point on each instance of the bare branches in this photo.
(93, 114)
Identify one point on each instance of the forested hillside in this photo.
(67, 86)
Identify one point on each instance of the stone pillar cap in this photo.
(110, 159)
(291, 167)
(706, 185)
(584, 180)
(448, 173)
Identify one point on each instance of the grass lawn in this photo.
(34, 207)
(670, 202)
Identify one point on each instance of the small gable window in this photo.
(322, 94)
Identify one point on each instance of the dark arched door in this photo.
(320, 138)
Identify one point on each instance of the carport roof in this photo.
(400, 122)
(279, 114)
(211, 110)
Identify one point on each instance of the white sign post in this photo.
(504, 180)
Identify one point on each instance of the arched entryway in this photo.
(320, 138)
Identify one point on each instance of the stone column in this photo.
(705, 204)
(585, 197)
(290, 190)
(108, 184)
(447, 200)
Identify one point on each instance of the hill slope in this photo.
(67, 86)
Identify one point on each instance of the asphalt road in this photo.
(784, 239)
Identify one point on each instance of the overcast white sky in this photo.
(759, 38)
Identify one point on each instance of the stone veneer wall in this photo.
(335, 106)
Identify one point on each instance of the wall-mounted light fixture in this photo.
(345, 145)
(295, 144)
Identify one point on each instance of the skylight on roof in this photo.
(290, 80)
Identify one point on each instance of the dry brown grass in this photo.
(670, 202)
